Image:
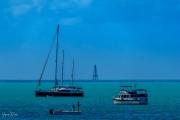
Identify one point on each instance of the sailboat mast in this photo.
(62, 79)
(45, 64)
(72, 74)
(57, 47)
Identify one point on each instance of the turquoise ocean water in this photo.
(18, 100)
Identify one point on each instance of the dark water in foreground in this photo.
(17, 101)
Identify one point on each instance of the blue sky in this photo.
(127, 39)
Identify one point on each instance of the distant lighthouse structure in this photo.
(95, 74)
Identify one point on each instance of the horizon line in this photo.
(89, 80)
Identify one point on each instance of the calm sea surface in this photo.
(17, 101)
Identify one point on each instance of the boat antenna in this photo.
(46, 61)
(57, 48)
(78, 106)
(72, 74)
(62, 79)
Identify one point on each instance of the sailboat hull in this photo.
(41, 93)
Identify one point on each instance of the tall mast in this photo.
(56, 66)
(72, 74)
(46, 61)
(62, 79)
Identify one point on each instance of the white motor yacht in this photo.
(131, 96)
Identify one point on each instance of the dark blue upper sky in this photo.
(127, 39)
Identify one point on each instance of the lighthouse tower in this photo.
(95, 74)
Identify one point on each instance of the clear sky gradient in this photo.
(127, 39)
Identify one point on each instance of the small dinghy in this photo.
(66, 112)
